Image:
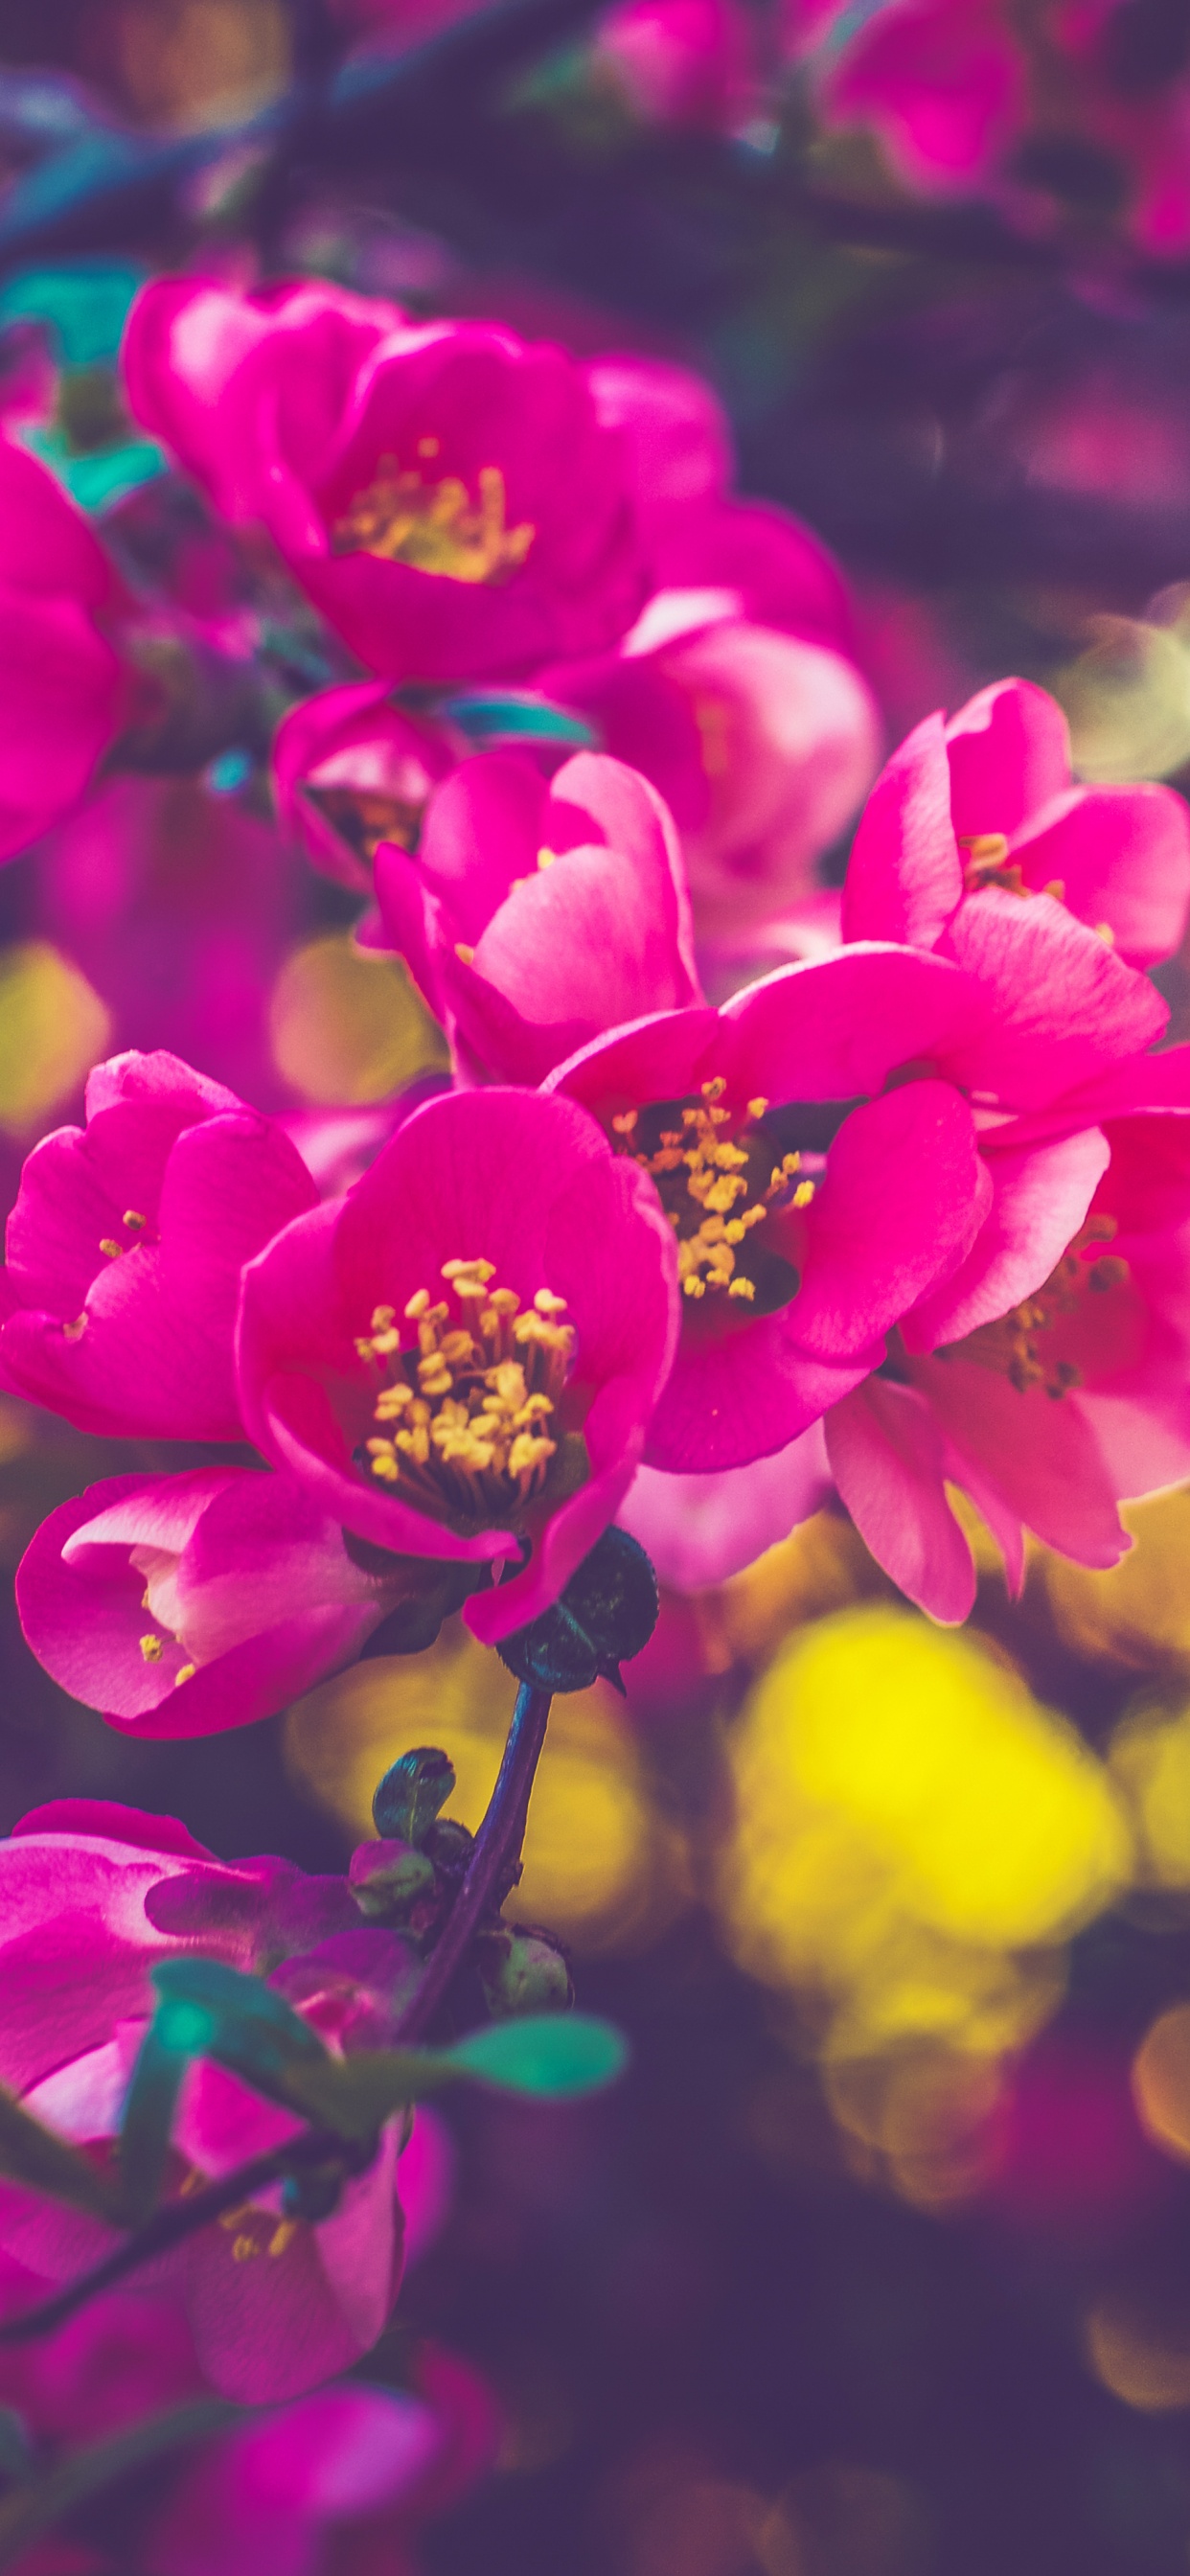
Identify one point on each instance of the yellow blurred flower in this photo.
(53, 1028)
(347, 1026)
(1137, 1612)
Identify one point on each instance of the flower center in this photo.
(364, 818)
(718, 1181)
(987, 864)
(468, 1412)
(1013, 1346)
(435, 526)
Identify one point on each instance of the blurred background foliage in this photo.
(879, 2264)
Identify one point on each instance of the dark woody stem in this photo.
(490, 1873)
(492, 1868)
(173, 2223)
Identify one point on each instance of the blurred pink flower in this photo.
(445, 492)
(973, 815)
(683, 62)
(402, 1352)
(61, 685)
(125, 1247)
(534, 917)
(1142, 114)
(181, 1605)
(350, 771)
(90, 1896)
(944, 88)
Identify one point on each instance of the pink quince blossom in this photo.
(183, 1605)
(1048, 1404)
(983, 809)
(343, 2474)
(534, 917)
(831, 1105)
(401, 1352)
(350, 771)
(682, 62)
(90, 1896)
(125, 1247)
(943, 88)
(61, 684)
(444, 491)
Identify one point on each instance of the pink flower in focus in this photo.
(61, 684)
(350, 771)
(534, 917)
(973, 815)
(403, 1353)
(125, 1247)
(445, 492)
(181, 1605)
(90, 1896)
(815, 1147)
(1046, 1405)
(943, 87)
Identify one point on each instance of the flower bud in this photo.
(387, 1879)
(522, 1970)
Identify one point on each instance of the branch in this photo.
(494, 1858)
(171, 2226)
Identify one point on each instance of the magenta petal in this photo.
(1040, 1199)
(1061, 1008)
(660, 1057)
(1122, 856)
(743, 1394)
(1041, 1456)
(837, 1027)
(888, 1459)
(904, 1196)
(701, 1529)
(1009, 751)
(905, 873)
(483, 827)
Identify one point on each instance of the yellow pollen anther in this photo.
(625, 1122)
(434, 526)
(186, 1673)
(756, 1108)
(711, 1159)
(152, 1648)
(1012, 1345)
(73, 1332)
(465, 955)
(467, 1417)
(113, 1250)
(133, 1219)
(546, 858)
(985, 848)
(802, 1194)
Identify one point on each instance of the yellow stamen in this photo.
(434, 526)
(186, 1673)
(467, 1415)
(152, 1648)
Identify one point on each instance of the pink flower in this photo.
(444, 492)
(682, 62)
(1046, 1393)
(815, 1147)
(125, 1247)
(970, 816)
(350, 771)
(944, 88)
(61, 685)
(181, 1605)
(762, 743)
(202, 365)
(534, 917)
(90, 1896)
(403, 1353)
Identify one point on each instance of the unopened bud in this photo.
(522, 1971)
(411, 1794)
(387, 1879)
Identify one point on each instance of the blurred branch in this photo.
(493, 1866)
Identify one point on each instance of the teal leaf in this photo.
(516, 715)
(146, 2126)
(556, 2056)
(210, 2010)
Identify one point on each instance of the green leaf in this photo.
(33, 2155)
(515, 715)
(411, 1794)
(209, 2010)
(554, 2055)
(146, 2126)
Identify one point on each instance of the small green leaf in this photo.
(411, 1794)
(210, 2010)
(149, 2106)
(515, 715)
(554, 2055)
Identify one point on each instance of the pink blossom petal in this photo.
(1041, 1197)
(1009, 752)
(887, 1457)
(905, 873)
(904, 1196)
(701, 1529)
